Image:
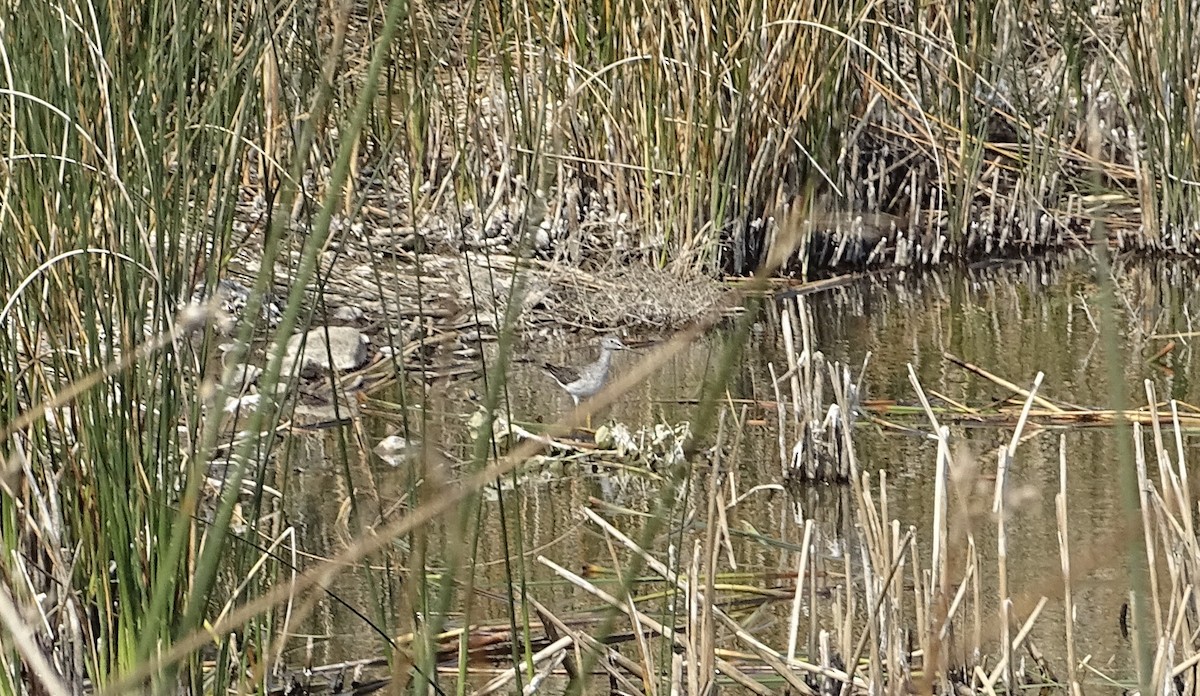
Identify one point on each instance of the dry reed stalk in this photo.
(969, 574)
(946, 607)
(1008, 452)
(1005, 667)
(1145, 486)
(802, 566)
(1183, 489)
(781, 429)
(722, 665)
(1044, 403)
(921, 580)
(773, 659)
(898, 657)
(46, 675)
(543, 673)
(967, 410)
(1064, 552)
(934, 602)
(1165, 479)
(977, 595)
(649, 670)
(583, 641)
(819, 452)
(1001, 515)
(813, 624)
(841, 617)
(1005, 463)
(275, 656)
(627, 608)
(557, 650)
(847, 395)
(695, 597)
(716, 527)
(789, 347)
(550, 628)
(1165, 658)
(725, 539)
(878, 599)
(776, 661)
(1174, 530)
(849, 605)
(676, 687)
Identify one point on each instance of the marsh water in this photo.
(1013, 320)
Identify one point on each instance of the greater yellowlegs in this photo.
(583, 382)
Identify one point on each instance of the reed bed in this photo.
(568, 150)
(595, 137)
(896, 612)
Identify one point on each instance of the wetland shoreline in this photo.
(431, 197)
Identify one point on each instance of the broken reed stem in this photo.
(1064, 551)
(1144, 488)
(694, 597)
(648, 670)
(773, 659)
(876, 607)
(731, 469)
(585, 641)
(789, 347)
(1005, 666)
(969, 573)
(935, 656)
(781, 431)
(44, 673)
(722, 665)
(1160, 453)
(1044, 403)
(847, 464)
(557, 649)
(1183, 489)
(1000, 513)
(802, 566)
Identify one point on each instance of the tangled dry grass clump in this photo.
(645, 297)
(475, 289)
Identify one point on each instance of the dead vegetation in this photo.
(452, 169)
(586, 136)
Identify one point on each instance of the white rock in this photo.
(394, 449)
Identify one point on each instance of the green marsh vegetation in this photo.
(151, 147)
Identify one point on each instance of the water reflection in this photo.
(1013, 320)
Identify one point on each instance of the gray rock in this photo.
(347, 350)
(349, 314)
(229, 303)
(243, 375)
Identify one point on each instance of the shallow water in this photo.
(1012, 320)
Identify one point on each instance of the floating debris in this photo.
(658, 446)
(502, 433)
(396, 449)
